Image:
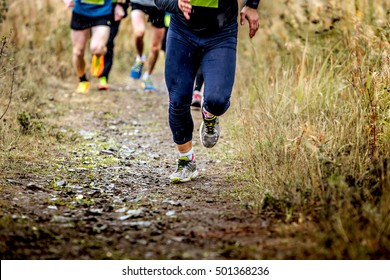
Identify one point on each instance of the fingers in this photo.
(253, 27)
(185, 7)
(242, 20)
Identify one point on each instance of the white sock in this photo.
(146, 76)
(140, 58)
(189, 154)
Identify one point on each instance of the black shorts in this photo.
(80, 22)
(155, 16)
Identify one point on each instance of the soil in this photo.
(102, 191)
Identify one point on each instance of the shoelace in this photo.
(210, 123)
(138, 66)
(149, 83)
(182, 163)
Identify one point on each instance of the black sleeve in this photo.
(170, 6)
(252, 3)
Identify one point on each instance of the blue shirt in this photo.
(93, 8)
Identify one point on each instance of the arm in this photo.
(249, 12)
(170, 6)
(69, 3)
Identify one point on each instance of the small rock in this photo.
(177, 238)
(172, 202)
(52, 207)
(170, 213)
(121, 210)
(107, 152)
(125, 217)
(99, 228)
(61, 183)
(136, 213)
(95, 211)
(138, 224)
(61, 219)
(32, 186)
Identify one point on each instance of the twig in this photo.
(4, 44)
(10, 94)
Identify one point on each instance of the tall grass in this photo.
(311, 122)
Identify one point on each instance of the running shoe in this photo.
(83, 87)
(196, 99)
(186, 171)
(97, 65)
(136, 70)
(209, 132)
(103, 85)
(148, 85)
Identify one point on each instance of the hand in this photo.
(252, 17)
(119, 12)
(69, 3)
(185, 7)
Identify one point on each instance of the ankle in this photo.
(207, 115)
(83, 78)
(190, 154)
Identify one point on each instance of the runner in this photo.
(141, 8)
(90, 19)
(202, 34)
(119, 12)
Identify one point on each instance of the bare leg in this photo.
(184, 148)
(157, 37)
(138, 23)
(79, 41)
(99, 39)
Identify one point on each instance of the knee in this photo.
(156, 48)
(139, 33)
(216, 105)
(78, 52)
(98, 49)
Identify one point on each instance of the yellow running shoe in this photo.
(103, 85)
(97, 65)
(83, 87)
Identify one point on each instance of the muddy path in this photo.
(102, 191)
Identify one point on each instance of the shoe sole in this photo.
(200, 136)
(135, 77)
(178, 180)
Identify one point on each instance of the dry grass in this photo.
(312, 104)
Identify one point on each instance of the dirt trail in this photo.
(108, 196)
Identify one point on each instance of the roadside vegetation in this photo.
(311, 123)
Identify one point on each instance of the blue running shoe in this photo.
(136, 70)
(148, 85)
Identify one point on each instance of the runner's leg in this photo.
(79, 41)
(138, 24)
(157, 37)
(99, 38)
